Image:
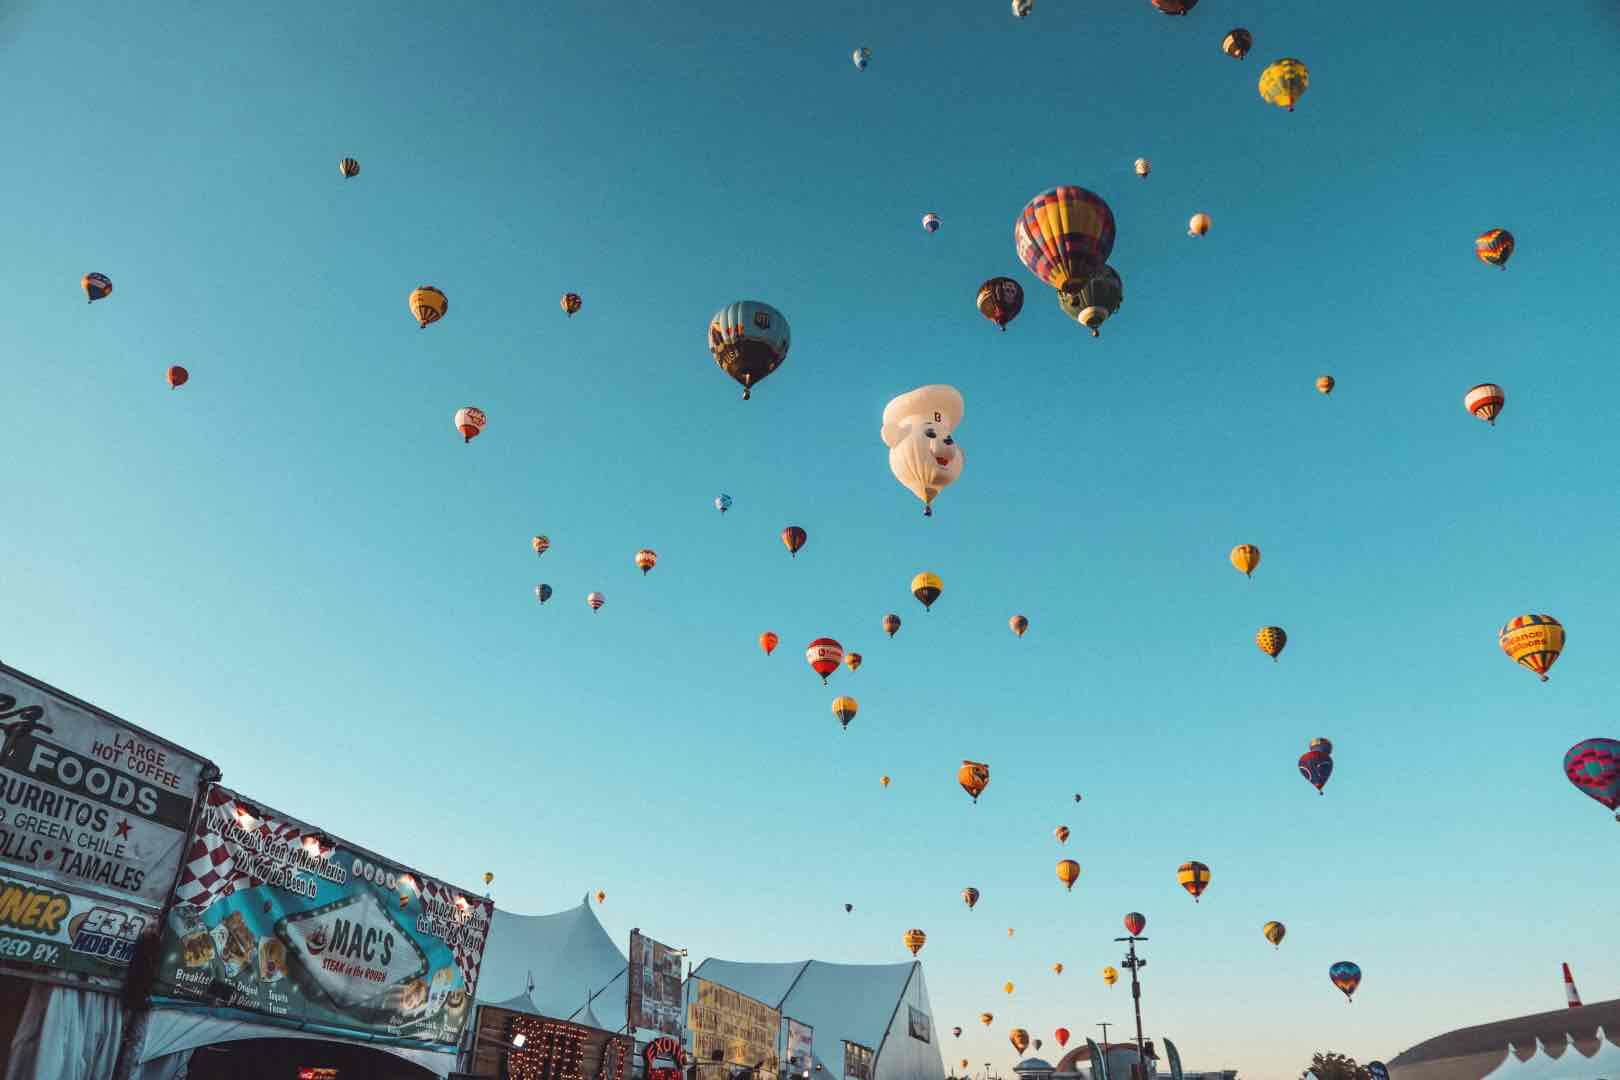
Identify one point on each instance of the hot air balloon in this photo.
(970, 897)
(845, 709)
(1057, 969)
(1175, 7)
(768, 640)
(1017, 1036)
(1245, 557)
(1271, 640)
(1325, 384)
(1494, 246)
(914, 940)
(1022, 8)
(824, 655)
(96, 287)
(1068, 872)
(722, 503)
(986, 1019)
(964, 1063)
(1077, 796)
(956, 1032)
(793, 538)
(1194, 877)
(1274, 932)
(1324, 745)
(926, 588)
(884, 781)
(428, 304)
(848, 908)
(542, 593)
(1143, 167)
(1533, 641)
(1062, 834)
(1135, 923)
(1284, 82)
(749, 340)
(1316, 767)
(1064, 235)
(852, 661)
(891, 624)
(600, 896)
(1593, 766)
(1007, 987)
(862, 56)
(930, 222)
(1009, 931)
(470, 421)
(974, 776)
(1062, 1036)
(1018, 624)
(1110, 976)
(177, 376)
(596, 600)
(1037, 1046)
(1237, 43)
(1485, 401)
(541, 544)
(1000, 300)
(646, 559)
(1198, 225)
(918, 429)
(570, 303)
(1346, 976)
(349, 168)
(1095, 301)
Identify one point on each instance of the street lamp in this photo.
(1134, 963)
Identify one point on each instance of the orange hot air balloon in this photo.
(1057, 969)
(600, 896)
(1325, 384)
(646, 559)
(794, 538)
(1008, 987)
(1062, 834)
(1198, 225)
(177, 376)
(914, 940)
(891, 624)
(541, 544)
(1018, 1036)
(1244, 558)
(884, 781)
(1068, 872)
(767, 641)
(1018, 624)
(974, 776)
(1009, 931)
(852, 661)
(986, 1019)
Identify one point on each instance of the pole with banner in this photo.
(1099, 1061)
(1175, 1059)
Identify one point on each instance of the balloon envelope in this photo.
(974, 776)
(1346, 976)
(1283, 83)
(1494, 247)
(914, 940)
(1274, 932)
(1064, 234)
(428, 304)
(1135, 923)
(1000, 300)
(918, 428)
(1533, 641)
(1593, 766)
(749, 339)
(1194, 877)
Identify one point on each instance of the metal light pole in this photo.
(1135, 963)
(1104, 1024)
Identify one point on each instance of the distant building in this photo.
(1590, 1032)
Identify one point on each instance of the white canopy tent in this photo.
(1570, 1064)
(562, 965)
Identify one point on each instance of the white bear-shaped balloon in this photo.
(918, 429)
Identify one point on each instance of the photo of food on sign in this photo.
(275, 917)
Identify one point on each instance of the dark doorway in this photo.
(282, 1059)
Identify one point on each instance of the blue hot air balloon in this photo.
(1346, 976)
(749, 340)
(722, 503)
(542, 593)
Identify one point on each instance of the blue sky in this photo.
(295, 566)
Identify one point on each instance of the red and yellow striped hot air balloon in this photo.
(1495, 247)
(1485, 401)
(1533, 641)
(891, 624)
(646, 559)
(1194, 877)
(914, 940)
(1064, 236)
(853, 661)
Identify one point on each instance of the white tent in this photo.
(562, 965)
(883, 1007)
(1570, 1064)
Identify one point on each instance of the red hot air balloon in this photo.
(768, 640)
(1175, 7)
(1000, 300)
(891, 624)
(1135, 923)
(824, 655)
(794, 537)
(1062, 1036)
(177, 376)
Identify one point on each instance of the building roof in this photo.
(843, 1002)
(562, 965)
(1521, 1031)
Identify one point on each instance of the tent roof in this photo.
(1521, 1031)
(850, 1002)
(567, 957)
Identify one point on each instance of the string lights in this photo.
(552, 1050)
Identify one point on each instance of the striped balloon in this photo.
(646, 559)
(1064, 233)
(1237, 43)
(1485, 401)
(349, 168)
(541, 544)
(470, 421)
(596, 600)
(96, 286)
(428, 304)
(1533, 641)
(1494, 246)
(1194, 877)
(1325, 384)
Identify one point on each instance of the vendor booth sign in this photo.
(655, 985)
(274, 917)
(801, 1046)
(731, 1027)
(94, 814)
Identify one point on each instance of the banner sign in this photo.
(857, 1062)
(655, 985)
(801, 1046)
(918, 1024)
(273, 916)
(742, 1030)
(67, 932)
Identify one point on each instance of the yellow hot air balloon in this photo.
(1057, 968)
(1534, 641)
(1018, 1037)
(926, 588)
(1068, 872)
(1274, 932)
(884, 781)
(489, 876)
(1271, 640)
(428, 304)
(1245, 557)
(1007, 987)
(845, 709)
(1283, 83)
(1110, 976)
(914, 940)
(986, 1019)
